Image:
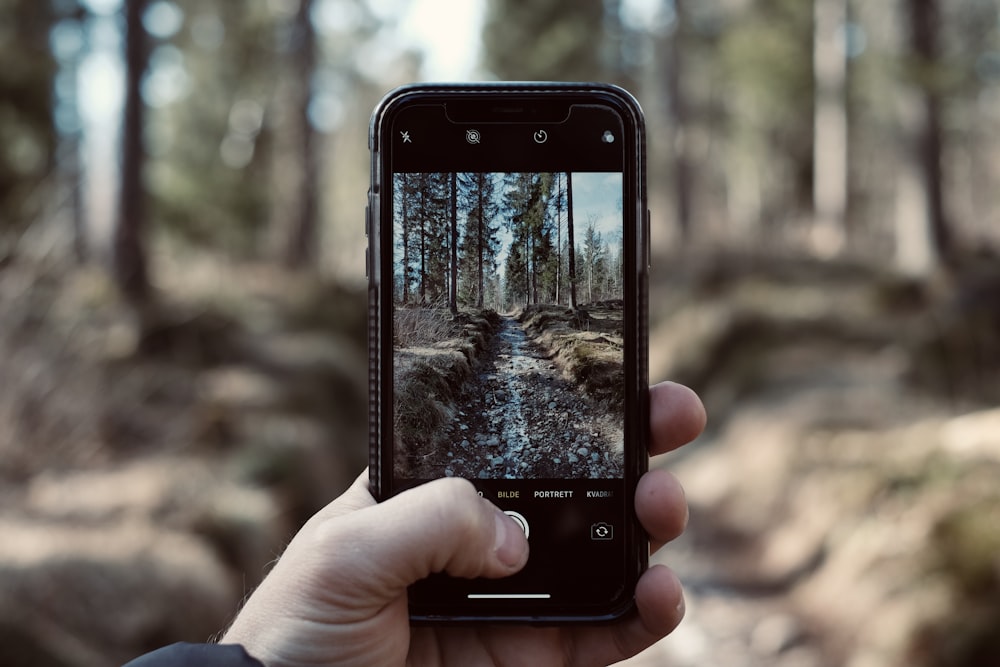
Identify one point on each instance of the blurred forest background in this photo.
(182, 303)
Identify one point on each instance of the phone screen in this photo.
(512, 336)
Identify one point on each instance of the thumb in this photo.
(347, 569)
(440, 526)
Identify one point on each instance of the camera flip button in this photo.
(602, 532)
(519, 520)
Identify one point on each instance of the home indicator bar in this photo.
(509, 596)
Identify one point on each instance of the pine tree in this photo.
(594, 267)
(516, 200)
(515, 286)
(403, 194)
(480, 199)
(434, 252)
(557, 206)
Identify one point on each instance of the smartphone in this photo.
(507, 268)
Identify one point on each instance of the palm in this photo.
(490, 646)
(510, 646)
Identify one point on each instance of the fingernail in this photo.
(509, 543)
(681, 607)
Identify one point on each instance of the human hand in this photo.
(338, 594)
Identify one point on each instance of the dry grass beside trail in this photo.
(435, 356)
(415, 326)
(586, 343)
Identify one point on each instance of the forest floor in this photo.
(844, 507)
(473, 389)
(521, 417)
(844, 498)
(153, 464)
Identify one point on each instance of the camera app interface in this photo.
(509, 250)
(508, 350)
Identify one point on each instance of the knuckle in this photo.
(458, 505)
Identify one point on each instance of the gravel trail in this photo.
(521, 418)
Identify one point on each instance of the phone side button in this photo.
(647, 241)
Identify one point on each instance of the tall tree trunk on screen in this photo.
(453, 242)
(571, 252)
(423, 240)
(830, 148)
(129, 253)
(405, 225)
(482, 240)
(559, 269)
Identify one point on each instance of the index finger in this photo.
(676, 417)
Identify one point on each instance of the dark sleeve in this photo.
(196, 655)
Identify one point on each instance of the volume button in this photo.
(648, 241)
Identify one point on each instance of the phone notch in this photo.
(516, 111)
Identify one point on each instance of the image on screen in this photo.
(507, 325)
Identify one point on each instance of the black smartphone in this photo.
(507, 266)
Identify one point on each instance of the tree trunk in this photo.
(527, 265)
(303, 238)
(404, 205)
(558, 234)
(922, 232)
(678, 105)
(830, 148)
(533, 272)
(482, 231)
(72, 176)
(423, 241)
(915, 249)
(569, 240)
(925, 17)
(453, 287)
(129, 253)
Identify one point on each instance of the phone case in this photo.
(379, 467)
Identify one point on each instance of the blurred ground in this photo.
(147, 479)
(844, 502)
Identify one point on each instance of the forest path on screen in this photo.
(520, 417)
